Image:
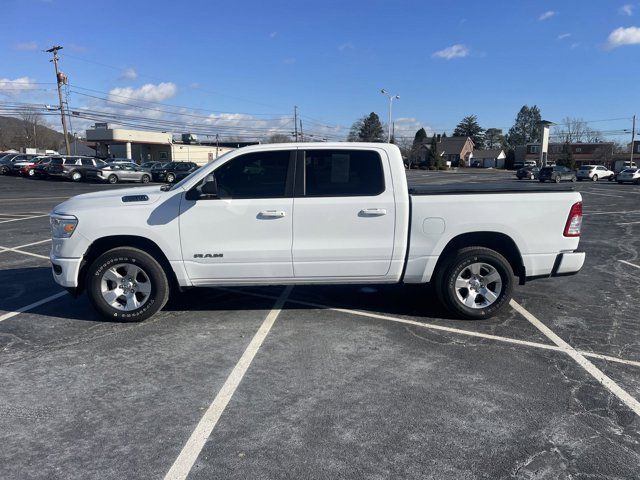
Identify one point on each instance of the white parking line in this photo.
(21, 214)
(430, 326)
(23, 218)
(594, 371)
(189, 454)
(611, 213)
(17, 249)
(34, 198)
(31, 306)
(601, 194)
(629, 263)
(628, 223)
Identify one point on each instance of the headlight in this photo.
(62, 226)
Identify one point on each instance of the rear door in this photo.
(344, 214)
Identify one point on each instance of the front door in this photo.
(245, 233)
(344, 215)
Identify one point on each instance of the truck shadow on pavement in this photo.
(29, 285)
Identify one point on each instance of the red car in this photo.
(28, 168)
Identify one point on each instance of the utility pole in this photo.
(217, 144)
(301, 134)
(60, 80)
(295, 121)
(633, 137)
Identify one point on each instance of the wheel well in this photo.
(501, 243)
(104, 244)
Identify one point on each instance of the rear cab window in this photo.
(343, 173)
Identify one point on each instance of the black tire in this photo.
(574, 179)
(619, 182)
(159, 284)
(4, 170)
(594, 178)
(557, 179)
(445, 280)
(145, 179)
(112, 179)
(579, 179)
(76, 176)
(171, 178)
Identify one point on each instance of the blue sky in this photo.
(445, 59)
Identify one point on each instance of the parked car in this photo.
(121, 173)
(18, 168)
(556, 174)
(629, 175)
(530, 173)
(593, 173)
(233, 221)
(40, 169)
(29, 169)
(173, 171)
(150, 165)
(119, 160)
(73, 168)
(7, 162)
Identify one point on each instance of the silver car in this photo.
(115, 173)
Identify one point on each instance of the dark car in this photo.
(72, 168)
(6, 162)
(173, 171)
(530, 173)
(150, 165)
(556, 174)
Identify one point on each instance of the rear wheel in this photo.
(574, 179)
(145, 179)
(557, 179)
(76, 176)
(31, 172)
(127, 284)
(171, 178)
(4, 170)
(532, 176)
(594, 178)
(112, 179)
(476, 283)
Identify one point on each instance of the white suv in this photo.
(594, 173)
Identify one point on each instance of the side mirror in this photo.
(207, 189)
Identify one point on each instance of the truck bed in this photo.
(480, 188)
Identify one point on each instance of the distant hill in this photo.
(17, 133)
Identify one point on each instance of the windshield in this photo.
(586, 167)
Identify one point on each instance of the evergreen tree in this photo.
(566, 158)
(420, 137)
(469, 127)
(493, 139)
(434, 158)
(526, 128)
(367, 129)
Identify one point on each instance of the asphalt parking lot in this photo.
(323, 382)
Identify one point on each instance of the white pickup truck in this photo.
(312, 213)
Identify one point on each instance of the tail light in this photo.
(574, 221)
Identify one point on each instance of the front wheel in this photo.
(574, 179)
(127, 285)
(31, 173)
(112, 179)
(594, 178)
(476, 283)
(145, 179)
(171, 178)
(557, 179)
(76, 176)
(532, 177)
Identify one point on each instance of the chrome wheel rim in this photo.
(76, 176)
(478, 285)
(125, 287)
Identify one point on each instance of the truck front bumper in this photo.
(65, 271)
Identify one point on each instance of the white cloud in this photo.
(624, 36)
(454, 51)
(16, 86)
(408, 126)
(273, 34)
(346, 46)
(547, 15)
(129, 74)
(27, 46)
(148, 92)
(575, 45)
(563, 36)
(626, 10)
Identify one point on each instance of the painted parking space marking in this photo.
(31, 306)
(613, 213)
(19, 248)
(629, 263)
(430, 326)
(580, 359)
(601, 194)
(23, 218)
(628, 223)
(189, 454)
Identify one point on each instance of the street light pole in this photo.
(391, 99)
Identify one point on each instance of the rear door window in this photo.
(343, 173)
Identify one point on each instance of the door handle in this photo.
(372, 212)
(271, 214)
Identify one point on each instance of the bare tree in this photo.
(31, 121)
(278, 138)
(575, 130)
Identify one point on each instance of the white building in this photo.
(145, 146)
